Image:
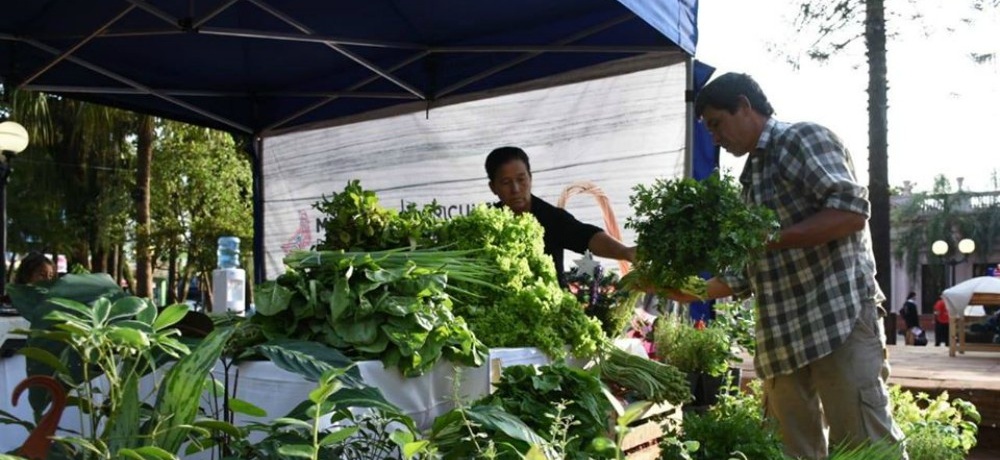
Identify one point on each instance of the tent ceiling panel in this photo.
(261, 66)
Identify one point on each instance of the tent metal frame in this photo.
(339, 45)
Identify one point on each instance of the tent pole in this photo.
(689, 118)
(259, 273)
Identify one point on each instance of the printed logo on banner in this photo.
(302, 239)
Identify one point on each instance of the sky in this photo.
(944, 109)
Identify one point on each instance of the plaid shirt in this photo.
(808, 299)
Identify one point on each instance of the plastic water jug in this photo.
(228, 252)
(229, 280)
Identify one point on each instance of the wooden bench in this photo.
(958, 324)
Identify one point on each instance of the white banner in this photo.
(614, 132)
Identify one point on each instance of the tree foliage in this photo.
(201, 190)
(944, 214)
(825, 29)
(70, 189)
(74, 189)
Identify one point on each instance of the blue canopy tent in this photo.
(260, 67)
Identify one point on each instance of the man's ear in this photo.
(745, 103)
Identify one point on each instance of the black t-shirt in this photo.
(562, 231)
(910, 315)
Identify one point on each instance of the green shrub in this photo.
(734, 426)
(935, 428)
(690, 349)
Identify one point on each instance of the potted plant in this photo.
(703, 351)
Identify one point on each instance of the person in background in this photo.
(820, 340)
(34, 268)
(911, 317)
(941, 332)
(509, 172)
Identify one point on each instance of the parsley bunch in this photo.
(685, 228)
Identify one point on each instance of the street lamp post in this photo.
(965, 247)
(13, 140)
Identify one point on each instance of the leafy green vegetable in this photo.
(655, 382)
(528, 393)
(354, 220)
(390, 305)
(528, 308)
(685, 228)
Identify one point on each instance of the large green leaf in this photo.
(243, 407)
(408, 339)
(377, 346)
(123, 426)
(46, 357)
(341, 298)
(338, 436)
(297, 450)
(495, 418)
(397, 305)
(357, 332)
(177, 400)
(170, 316)
(131, 337)
(309, 359)
(367, 397)
(127, 307)
(271, 298)
(100, 312)
(86, 288)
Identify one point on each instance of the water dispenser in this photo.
(229, 280)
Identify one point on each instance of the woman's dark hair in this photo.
(723, 93)
(501, 156)
(29, 265)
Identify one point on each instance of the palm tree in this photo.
(72, 186)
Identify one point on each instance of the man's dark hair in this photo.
(724, 93)
(501, 156)
(29, 265)
(911, 295)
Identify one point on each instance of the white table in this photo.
(9, 324)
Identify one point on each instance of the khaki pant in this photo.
(840, 399)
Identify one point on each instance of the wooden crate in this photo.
(642, 442)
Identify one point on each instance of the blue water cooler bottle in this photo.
(229, 280)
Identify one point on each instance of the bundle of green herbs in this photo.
(686, 228)
(353, 220)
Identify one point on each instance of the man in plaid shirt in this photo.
(820, 341)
